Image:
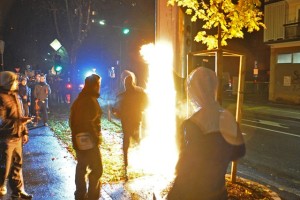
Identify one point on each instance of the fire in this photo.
(157, 152)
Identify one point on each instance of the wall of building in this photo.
(285, 81)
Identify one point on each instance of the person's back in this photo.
(132, 104)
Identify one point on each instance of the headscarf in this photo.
(202, 85)
(7, 79)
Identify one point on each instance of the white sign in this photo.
(2, 46)
(55, 44)
(287, 81)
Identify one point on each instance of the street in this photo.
(273, 146)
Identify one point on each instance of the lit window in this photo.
(284, 58)
(296, 57)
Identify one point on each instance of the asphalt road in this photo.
(272, 158)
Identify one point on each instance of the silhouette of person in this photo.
(129, 108)
(14, 134)
(85, 124)
(210, 139)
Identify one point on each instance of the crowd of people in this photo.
(209, 139)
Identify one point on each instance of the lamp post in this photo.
(2, 52)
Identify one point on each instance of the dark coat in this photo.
(85, 116)
(130, 105)
(24, 90)
(10, 115)
(202, 165)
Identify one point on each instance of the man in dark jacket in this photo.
(25, 94)
(41, 93)
(85, 126)
(129, 108)
(13, 133)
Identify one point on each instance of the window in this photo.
(296, 57)
(284, 58)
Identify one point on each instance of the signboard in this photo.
(287, 81)
(55, 44)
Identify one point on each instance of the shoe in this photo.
(21, 195)
(3, 190)
(45, 124)
(35, 124)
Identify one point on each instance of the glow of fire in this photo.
(157, 152)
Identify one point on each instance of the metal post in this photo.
(240, 99)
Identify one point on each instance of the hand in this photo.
(26, 120)
(25, 139)
(28, 103)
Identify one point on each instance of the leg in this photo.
(95, 164)
(80, 181)
(15, 178)
(5, 163)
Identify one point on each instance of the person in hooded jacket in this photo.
(13, 134)
(41, 93)
(210, 140)
(25, 94)
(129, 107)
(85, 124)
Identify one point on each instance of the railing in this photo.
(292, 30)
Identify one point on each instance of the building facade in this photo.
(282, 19)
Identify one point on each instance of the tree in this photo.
(224, 18)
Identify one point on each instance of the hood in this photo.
(7, 79)
(202, 85)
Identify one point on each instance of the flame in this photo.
(157, 152)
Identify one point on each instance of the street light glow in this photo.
(102, 22)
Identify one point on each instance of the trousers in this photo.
(88, 159)
(11, 160)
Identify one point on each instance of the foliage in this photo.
(224, 17)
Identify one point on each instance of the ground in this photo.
(111, 150)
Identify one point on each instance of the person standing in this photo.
(25, 94)
(13, 135)
(210, 139)
(129, 107)
(85, 124)
(33, 81)
(41, 93)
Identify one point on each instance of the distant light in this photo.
(88, 73)
(102, 22)
(125, 31)
(93, 21)
(46, 59)
(69, 86)
(49, 54)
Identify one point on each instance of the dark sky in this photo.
(29, 29)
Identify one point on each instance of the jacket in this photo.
(41, 91)
(85, 116)
(131, 105)
(10, 114)
(24, 90)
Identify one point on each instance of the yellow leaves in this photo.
(230, 17)
(189, 11)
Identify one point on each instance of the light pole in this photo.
(2, 52)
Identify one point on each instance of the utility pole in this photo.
(2, 52)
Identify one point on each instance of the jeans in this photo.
(11, 160)
(88, 159)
